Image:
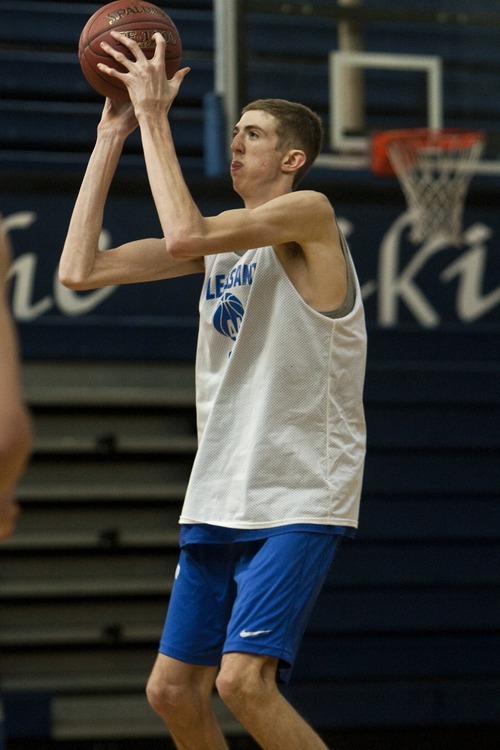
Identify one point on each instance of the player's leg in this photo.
(247, 684)
(277, 585)
(181, 694)
(181, 683)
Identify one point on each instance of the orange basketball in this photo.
(136, 20)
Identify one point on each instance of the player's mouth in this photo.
(235, 165)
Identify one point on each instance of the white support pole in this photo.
(226, 59)
(220, 104)
(350, 39)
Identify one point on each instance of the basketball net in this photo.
(434, 169)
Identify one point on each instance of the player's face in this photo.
(255, 153)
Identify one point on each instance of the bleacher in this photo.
(408, 625)
(92, 564)
(404, 640)
(48, 111)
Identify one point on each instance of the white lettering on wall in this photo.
(23, 274)
(470, 269)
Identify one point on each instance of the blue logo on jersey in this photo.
(228, 315)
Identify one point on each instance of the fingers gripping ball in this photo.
(136, 20)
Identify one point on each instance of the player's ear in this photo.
(293, 160)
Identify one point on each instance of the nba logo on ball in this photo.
(228, 316)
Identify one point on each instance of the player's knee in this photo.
(167, 699)
(233, 690)
(156, 695)
(241, 684)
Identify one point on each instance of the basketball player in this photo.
(15, 430)
(280, 366)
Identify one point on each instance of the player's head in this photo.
(297, 127)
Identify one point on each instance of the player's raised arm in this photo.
(83, 265)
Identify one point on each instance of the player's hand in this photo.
(148, 86)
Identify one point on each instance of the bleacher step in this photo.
(112, 383)
(116, 716)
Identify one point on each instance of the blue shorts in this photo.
(249, 597)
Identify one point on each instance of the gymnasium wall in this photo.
(49, 114)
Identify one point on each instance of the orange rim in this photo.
(444, 138)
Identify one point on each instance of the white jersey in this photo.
(281, 429)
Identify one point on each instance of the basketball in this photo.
(136, 20)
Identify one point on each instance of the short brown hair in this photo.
(298, 127)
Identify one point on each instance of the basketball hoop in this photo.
(434, 168)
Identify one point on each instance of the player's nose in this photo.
(237, 144)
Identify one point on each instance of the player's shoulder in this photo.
(312, 208)
(312, 199)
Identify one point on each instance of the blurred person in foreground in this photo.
(15, 421)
